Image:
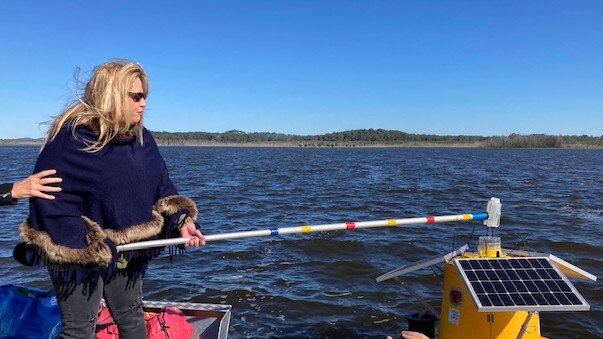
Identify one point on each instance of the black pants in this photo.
(79, 308)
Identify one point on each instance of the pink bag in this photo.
(170, 323)
(105, 326)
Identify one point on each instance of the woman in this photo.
(116, 190)
(33, 186)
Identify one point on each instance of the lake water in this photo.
(323, 284)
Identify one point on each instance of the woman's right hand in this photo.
(189, 230)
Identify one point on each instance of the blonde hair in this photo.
(104, 104)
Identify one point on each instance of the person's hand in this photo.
(190, 231)
(35, 185)
(410, 335)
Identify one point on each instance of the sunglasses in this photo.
(137, 96)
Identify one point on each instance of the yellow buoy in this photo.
(459, 317)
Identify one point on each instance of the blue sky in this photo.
(312, 67)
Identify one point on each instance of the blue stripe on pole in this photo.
(274, 231)
(480, 216)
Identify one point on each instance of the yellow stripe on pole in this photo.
(306, 229)
(391, 222)
(467, 216)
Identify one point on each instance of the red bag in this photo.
(170, 323)
(105, 326)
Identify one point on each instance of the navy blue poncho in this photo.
(118, 195)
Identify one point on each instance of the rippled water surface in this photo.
(323, 285)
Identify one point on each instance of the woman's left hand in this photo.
(190, 231)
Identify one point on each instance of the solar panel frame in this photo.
(518, 284)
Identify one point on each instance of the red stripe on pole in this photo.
(430, 219)
(350, 225)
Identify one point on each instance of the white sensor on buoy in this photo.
(493, 208)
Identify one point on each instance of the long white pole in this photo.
(307, 229)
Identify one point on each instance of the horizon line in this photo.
(350, 130)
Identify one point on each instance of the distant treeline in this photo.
(375, 137)
(361, 138)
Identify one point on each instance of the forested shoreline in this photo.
(359, 138)
(376, 138)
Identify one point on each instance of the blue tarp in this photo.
(28, 313)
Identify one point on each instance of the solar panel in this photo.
(518, 284)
